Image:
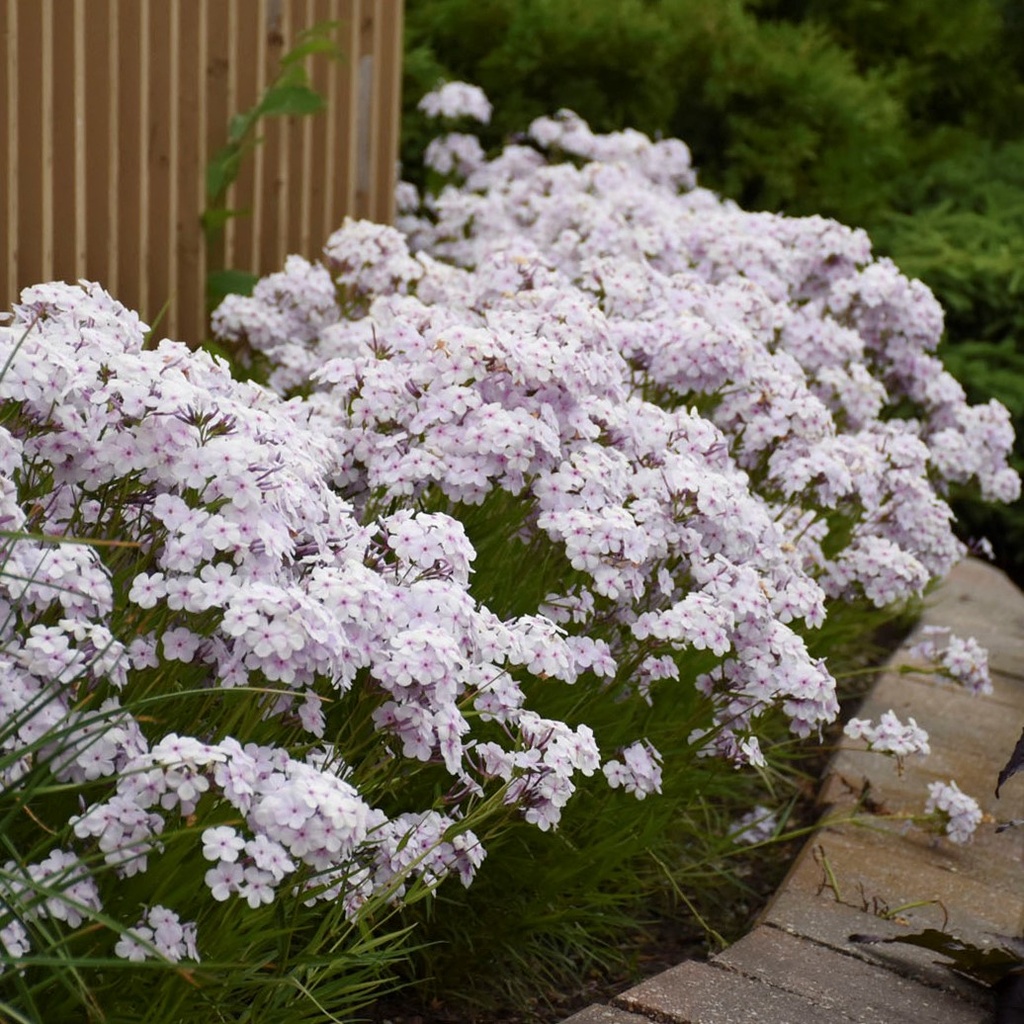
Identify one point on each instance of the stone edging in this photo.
(797, 966)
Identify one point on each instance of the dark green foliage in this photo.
(774, 113)
(905, 119)
(949, 60)
(959, 227)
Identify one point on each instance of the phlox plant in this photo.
(699, 443)
(537, 532)
(200, 640)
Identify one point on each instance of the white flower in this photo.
(960, 813)
(457, 99)
(756, 826)
(222, 843)
(638, 773)
(224, 879)
(889, 735)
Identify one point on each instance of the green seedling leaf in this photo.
(229, 282)
(289, 100)
(240, 125)
(321, 44)
(988, 966)
(289, 76)
(215, 219)
(1012, 766)
(222, 170)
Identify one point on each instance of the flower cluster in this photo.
(961, 659)
(218, 553)
(457, 99)
(639, 771)
(957, 814)
(889, 735)
(758, 825)
(159, 931)
(704, 408)
(59, 888)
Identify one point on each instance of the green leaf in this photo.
(222, 170)
(291, 100)
(214, 219)
(289, 76)
(320, 44)
(240, 125)
(221, 283)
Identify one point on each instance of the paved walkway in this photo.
(797, 966)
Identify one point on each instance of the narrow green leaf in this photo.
(222, 170)
(291, 100)
(320, 44)
(240, 125)
(214, 219)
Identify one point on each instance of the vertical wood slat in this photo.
(317, 214)
(348, 101)
(81, 235)
(47, 137)
(268, 32)
(96, 176)
(296, 169)
(235, 69)
(8, 163)
(112, 108)
(217, 95)
(188, 154)
(157, 130)
(366, 111)
(29, 144)
(130, 198)
(391, 17)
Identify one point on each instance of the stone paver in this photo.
(844, 984)
(883, 872)
(832, 924)
(704, 993)
(605, 1015)
(880, 876)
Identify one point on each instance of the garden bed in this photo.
(486, 619)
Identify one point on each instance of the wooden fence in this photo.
(111, 110)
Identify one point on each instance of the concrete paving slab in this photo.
(799, 965)
(895, 788)
(847, 984)
(975, 584)
(881, 871)
(993, 857)
(598, 1014)
(979, 600)
(702, 993)
(832, 924)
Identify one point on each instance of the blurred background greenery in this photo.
(906, 119)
